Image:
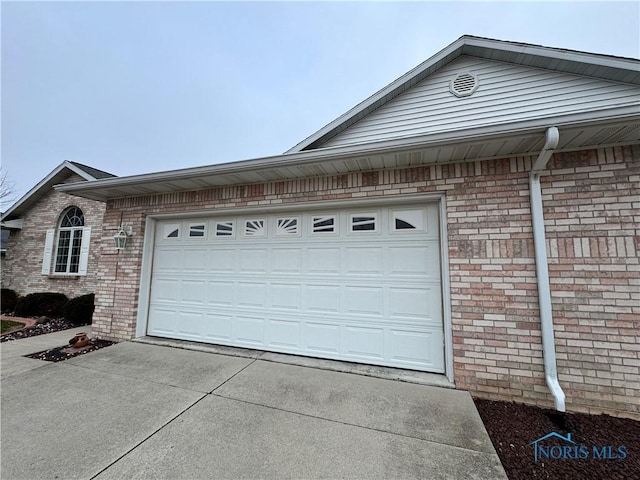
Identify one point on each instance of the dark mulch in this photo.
(46, 326)
(59, 354)
(512, 427)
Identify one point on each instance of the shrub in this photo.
(41, 305)
(79, 310)
(8, 300)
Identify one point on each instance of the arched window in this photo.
(69, 241)
(71, 238)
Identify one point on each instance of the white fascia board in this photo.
(574, 56)
(46, 183)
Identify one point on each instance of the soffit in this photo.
(323, 162)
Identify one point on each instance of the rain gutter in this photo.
(542, 269)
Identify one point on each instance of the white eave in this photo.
(605, 67)
(614, 128)
(12, 224)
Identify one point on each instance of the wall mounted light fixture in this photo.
(121, 237)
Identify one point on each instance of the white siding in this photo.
(507, 93)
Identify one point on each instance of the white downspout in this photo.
(542, 269)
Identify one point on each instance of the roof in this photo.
(92, 172)
(606, 67)
(56, 176)
(617, 127)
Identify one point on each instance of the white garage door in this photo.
(356, 285)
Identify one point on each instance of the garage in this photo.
(361, 285)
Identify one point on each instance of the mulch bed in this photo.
(513, 427)
(59, 354)
(47, 326)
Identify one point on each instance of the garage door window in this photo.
(196, 230)
(287, 226)
(366, 222)
(254, 228)
(404, 220)
(324, 224)
(224, 229)
(172, 230)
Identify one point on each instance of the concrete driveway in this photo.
(141, 411)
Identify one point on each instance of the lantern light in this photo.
(121, 237)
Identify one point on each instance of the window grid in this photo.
(287, 226)
(324, 224)
(254, 228)
(197, 230)
(224, 229)
(69, 241)
(365, 222)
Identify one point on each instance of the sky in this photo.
(141, 87)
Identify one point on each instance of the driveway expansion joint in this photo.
(152, 434)
(233, 376)
(347, 424)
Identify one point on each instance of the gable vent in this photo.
(464, 85)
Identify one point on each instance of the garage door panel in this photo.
(168, 260)
(418, 303)
(364, 261)
(220, 294)
(287, 261)
(222, 260)
(283, 333)
(251, 294)
(407, 348)
(253, 260)
(249, 331)
(190, 325)
(286, 296)
(409, 260)
(364, 343)
(306, 283)
(164, 321)
(193, 292)
(165, 290)
(322, 338)
(218, 327)
(364, 300)
(323, 260)
(322, 298)
(195, 260)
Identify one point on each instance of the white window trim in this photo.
(52, 238)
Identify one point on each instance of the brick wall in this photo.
(22, 266)
(590, 197)
(592, 213)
